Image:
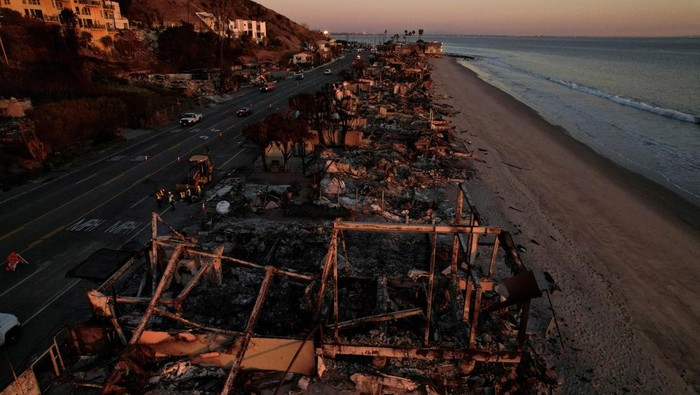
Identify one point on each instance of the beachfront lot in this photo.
(623, 250)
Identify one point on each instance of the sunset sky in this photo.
(507, 17)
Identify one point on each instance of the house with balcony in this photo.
(100, 18)
(236, 28)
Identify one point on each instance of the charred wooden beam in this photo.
(194, 324)
(118, 274)
(415, 228)
(455, 241)
(345, 253)
(378, 318)
(248, 333)
(190, 286)
(216, 265)
(154, 251)
(470, 204)
(165, 279)
(115, 324)
(252, 265)
(332, 249)
(522, 328)
(431, 290)
(335, 292)
(494, 254)
(513, 260)
(430, 354)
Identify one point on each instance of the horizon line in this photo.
(514, 35)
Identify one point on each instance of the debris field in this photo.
(370, 271)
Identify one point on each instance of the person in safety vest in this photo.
(160, 195)
(171, 200)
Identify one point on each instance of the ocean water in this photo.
(635, 101)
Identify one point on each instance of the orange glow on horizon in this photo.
(502, 17)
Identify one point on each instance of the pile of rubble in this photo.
(410, 293)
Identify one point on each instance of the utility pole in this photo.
(4, 54)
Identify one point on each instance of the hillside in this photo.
(289, 35)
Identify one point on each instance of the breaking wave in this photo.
(666, 112)
(639, 105)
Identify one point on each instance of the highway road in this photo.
(104, 201)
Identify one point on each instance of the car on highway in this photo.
(299, 76)
(190, 118)
(327, 72)
(268, 87)
(9, 328)
(244, 111)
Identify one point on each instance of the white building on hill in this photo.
(257, 30)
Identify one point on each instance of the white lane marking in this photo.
(233, 157)
(148, 225)
(86, 178)
(77, 170)
(58, 295)
(137, 203)
(153, 146)
(19, 283)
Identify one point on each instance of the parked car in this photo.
(299, 76)
(327, 72)
(244, 111)
(9, 328)
(190, 118)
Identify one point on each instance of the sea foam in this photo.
(639, 105)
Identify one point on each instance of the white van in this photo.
(9, 328)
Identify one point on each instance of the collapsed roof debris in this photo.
(409, 293)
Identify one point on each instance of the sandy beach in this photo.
(623, 250)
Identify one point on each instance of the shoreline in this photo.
(657, 195)
(619, 245)
(677, 191)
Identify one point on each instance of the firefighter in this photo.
(171, 200)
(160, 195)
(198, 189)
(188, 194)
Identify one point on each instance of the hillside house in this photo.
(99, 18)
(303, 59)
(257, 30)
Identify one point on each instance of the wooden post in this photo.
(467, 299)
(219, 251)
(455, 241)
(473, 241)
(431, 284)
(326, 271)
(522, 328)
(248, 334)
(335, 294)
(188, 288)
(475, 318)
(494, 253)
(115, 323)
(345, 252)
(154, 251)
(164, 280)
